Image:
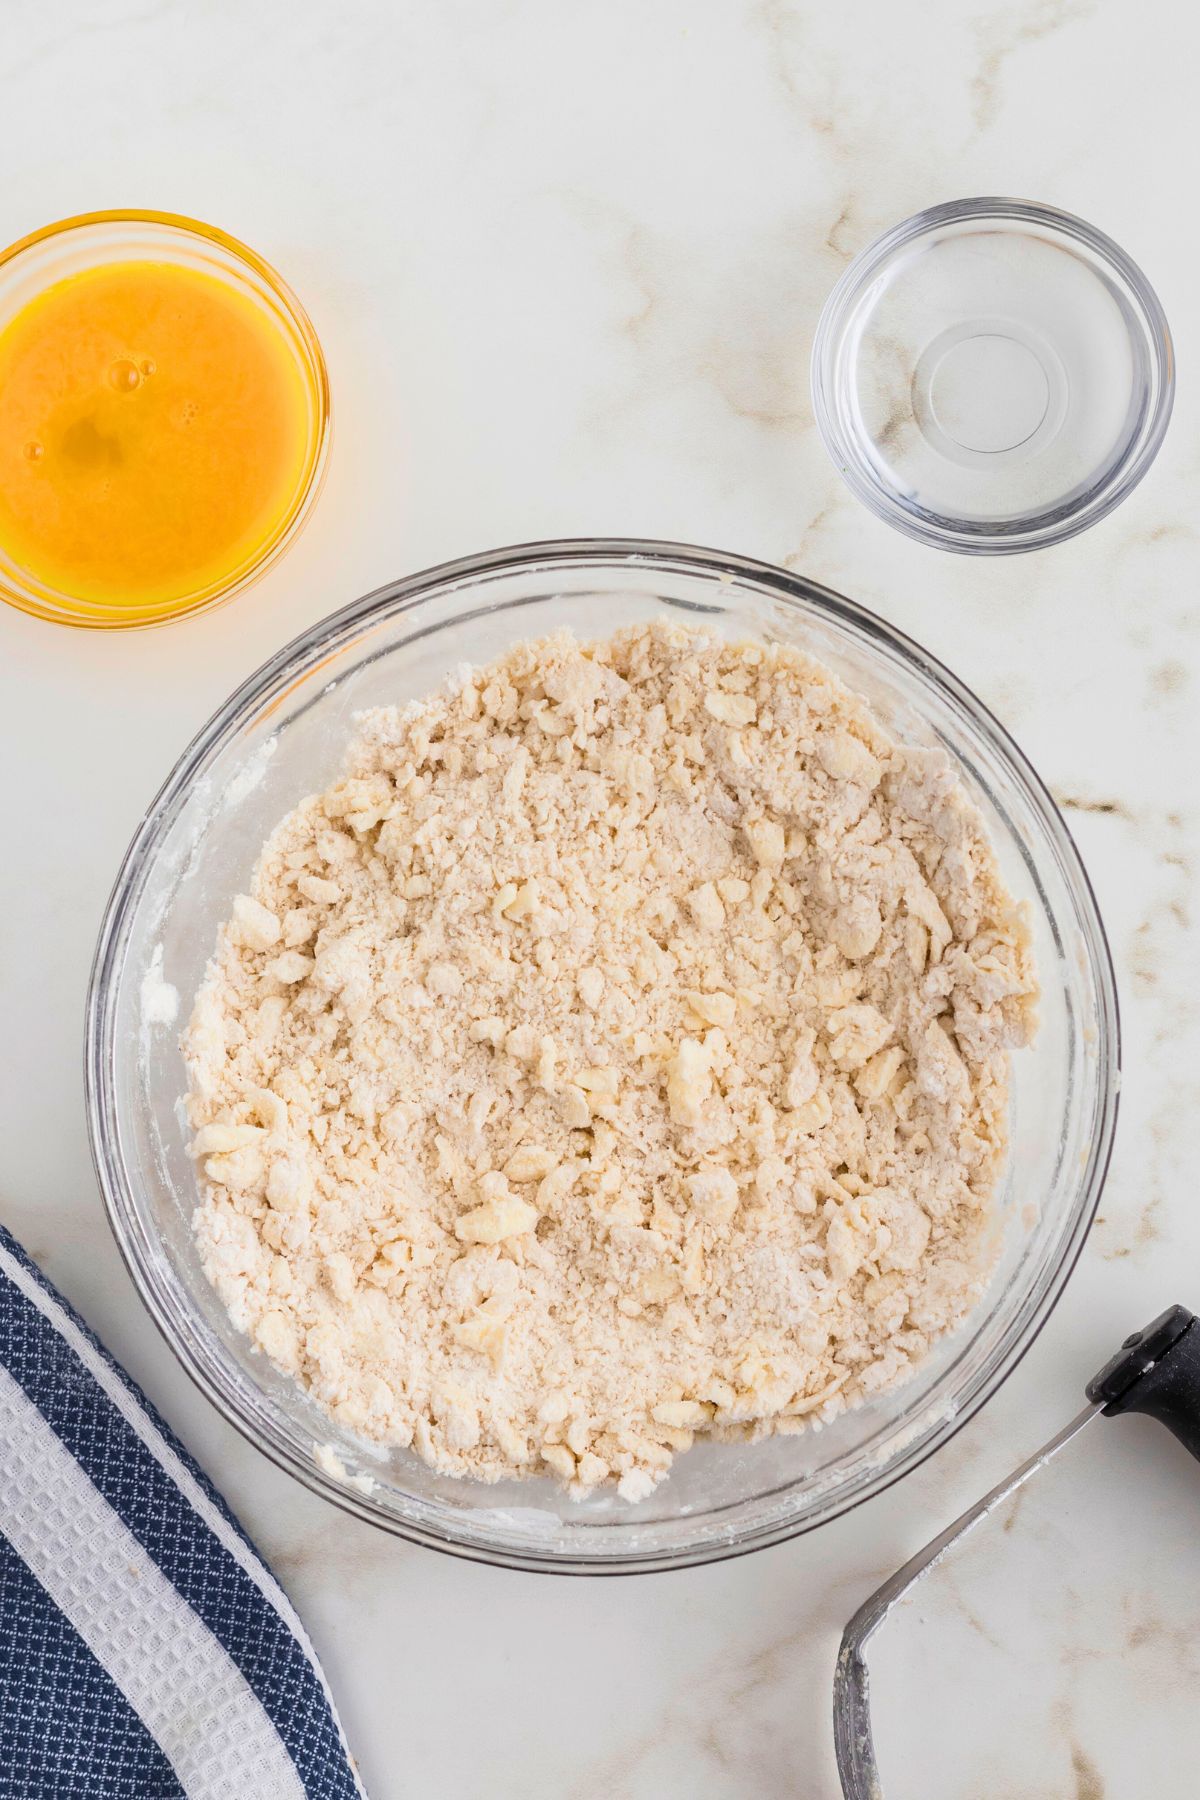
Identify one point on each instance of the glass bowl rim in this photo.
(1038, 531)
(303, 655)
(32, 600)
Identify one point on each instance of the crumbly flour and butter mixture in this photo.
(617, 1053)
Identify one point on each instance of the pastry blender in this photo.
(1156, 1371)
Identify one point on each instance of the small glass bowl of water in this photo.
(993, 376)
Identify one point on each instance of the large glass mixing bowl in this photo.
(280, 737)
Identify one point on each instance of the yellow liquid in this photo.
(154, 436)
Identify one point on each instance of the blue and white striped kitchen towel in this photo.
(146, 1652)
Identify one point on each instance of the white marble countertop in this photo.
(566, 261)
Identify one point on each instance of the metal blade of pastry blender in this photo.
(1156, 1371)
(851, 1682)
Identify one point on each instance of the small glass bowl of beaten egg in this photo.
(164, 418)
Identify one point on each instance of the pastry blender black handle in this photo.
(1157, 1371)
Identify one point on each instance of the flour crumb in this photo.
(159, 1000)
(617, 1052)
(330, 1463)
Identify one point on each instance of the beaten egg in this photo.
(156, 437)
